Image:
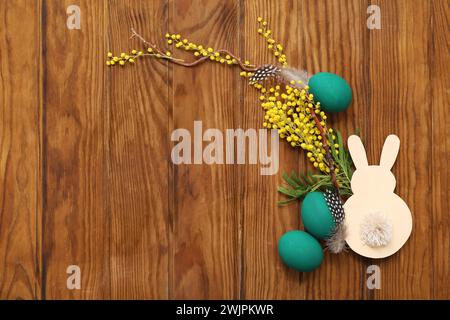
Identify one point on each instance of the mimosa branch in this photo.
(195, 62)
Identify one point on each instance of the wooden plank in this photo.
(206, 220)
(76, 221)
(440, 174)
(333, 38)
(20, 96)
(138, 156)
(400, 104)
(264, 275)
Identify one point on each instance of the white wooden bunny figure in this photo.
(377, 220)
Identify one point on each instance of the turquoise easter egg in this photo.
(300, 251)
(316, 216)
(332, 91)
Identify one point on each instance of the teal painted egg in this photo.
(300, 251)
(316, 216)
(332, 91)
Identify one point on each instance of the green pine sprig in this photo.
(297, 186)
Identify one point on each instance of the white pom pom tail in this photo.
(376, 229)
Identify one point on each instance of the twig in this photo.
(195, 62)
(135, 34)
(328, 155)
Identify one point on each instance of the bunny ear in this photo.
(390, 151)
(357, 152)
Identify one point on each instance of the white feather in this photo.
(336, 243)
(293, 74)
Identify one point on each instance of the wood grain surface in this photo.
(86, 176)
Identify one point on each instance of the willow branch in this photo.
(328, 155)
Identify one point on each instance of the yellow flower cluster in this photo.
(272, 45)
(200, 51)
(221, 56)
(289, 109)
(134, 54)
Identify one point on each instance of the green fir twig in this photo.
(298, 185)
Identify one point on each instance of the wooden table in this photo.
(86, 176)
